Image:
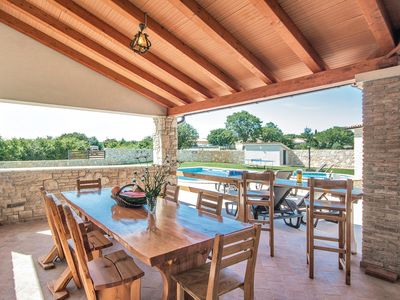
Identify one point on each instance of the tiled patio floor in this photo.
(282, 277)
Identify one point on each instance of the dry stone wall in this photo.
(337, 158)
(20, 199)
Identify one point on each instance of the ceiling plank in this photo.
(97, 48)
(321, 80)
(379, 24)
(290, 34)
(208, 67)
(32, 10)
(193, 11)
(80, 58)
(94, 22)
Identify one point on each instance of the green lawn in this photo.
(243, 167)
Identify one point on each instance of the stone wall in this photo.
(225, 156)
(337, 158)
(381, 216)
(114, 156)
(20, 199)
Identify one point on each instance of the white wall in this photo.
(32, 72)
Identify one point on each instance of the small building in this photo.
(265, 154)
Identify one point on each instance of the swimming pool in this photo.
(209, 171)
(238, 173)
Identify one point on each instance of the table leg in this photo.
(176, 266)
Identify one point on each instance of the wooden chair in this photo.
(171, 193)
(209, 203)
(88, 184)
(214, 279)
(114, 276)
(338, 211)
(97, 242)
(47, 261)
(267, 200)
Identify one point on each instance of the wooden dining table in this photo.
(175, 239)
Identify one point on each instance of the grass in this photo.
(244, 167)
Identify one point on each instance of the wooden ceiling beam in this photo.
(215, 73)
(375, 14)
(80, 58)
(208, 24)
(317, 81)
(33, 11)
(290, 34)
(109, 31)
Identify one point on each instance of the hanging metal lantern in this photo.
(140, 42)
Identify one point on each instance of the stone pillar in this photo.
(381, 171)
(165, 139)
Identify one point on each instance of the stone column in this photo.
(165, 139)
(381, 170)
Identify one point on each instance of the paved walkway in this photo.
(282, 277)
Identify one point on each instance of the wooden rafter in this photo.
(290, 33)
(212, 70)
(97, 48)
(98, 24)
(379, 24)
(80, 58)
(324, 79)
(394, 51)
(192, 10)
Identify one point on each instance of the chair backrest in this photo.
(265, 178)
(171, 193)
(88, 184)
(51, 222)
(209, 203)
(232, 249)
(327, 185)
(78, 234)
(280, 193)
(55, 208)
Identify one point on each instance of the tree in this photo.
(309, 139)
(146, 143)
(221, 137)
(335, 138)
(245, 126)
(271, 133)
(187, 136)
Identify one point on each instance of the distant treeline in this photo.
(50, 148)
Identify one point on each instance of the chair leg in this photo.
(248, 290)
(348, 246)
(47, 261)
(311, 247)
(271, 229)
(341, 240)
(58, 287)
(307, 235)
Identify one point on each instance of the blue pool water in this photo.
(237, 173)
(209, 171)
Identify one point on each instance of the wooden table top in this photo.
(180, 229)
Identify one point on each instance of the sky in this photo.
(318, 110)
